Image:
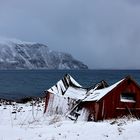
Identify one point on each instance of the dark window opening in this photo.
(128, 97)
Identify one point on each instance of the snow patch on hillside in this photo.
(16, 54)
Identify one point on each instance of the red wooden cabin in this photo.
(120, 99)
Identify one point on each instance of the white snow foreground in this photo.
(26, 122)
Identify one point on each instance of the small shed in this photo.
(96, 103)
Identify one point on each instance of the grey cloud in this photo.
(101, 33)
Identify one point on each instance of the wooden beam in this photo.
(126, 108)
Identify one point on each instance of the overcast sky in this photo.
(101, 33)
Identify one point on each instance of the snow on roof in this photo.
(75, 93)
(58, 88)
(96, 95)
(68, 87)
(74, 82)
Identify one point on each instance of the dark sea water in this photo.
(15, 84)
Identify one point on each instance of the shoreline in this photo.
(23, 100)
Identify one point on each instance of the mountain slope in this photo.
(15, 54)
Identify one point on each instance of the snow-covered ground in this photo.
(27, 122)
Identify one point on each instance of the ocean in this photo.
(16, 84)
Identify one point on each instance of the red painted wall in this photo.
(110, 106)
(47, 101)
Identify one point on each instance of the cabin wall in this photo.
(111, 105)
(46, 101)
(91, 108)
(57, 105)
(84, 115)
(96, 110)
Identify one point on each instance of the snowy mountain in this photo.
(15, 54)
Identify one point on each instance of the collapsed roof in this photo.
(68, 87)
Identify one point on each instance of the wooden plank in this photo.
(126, 108)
